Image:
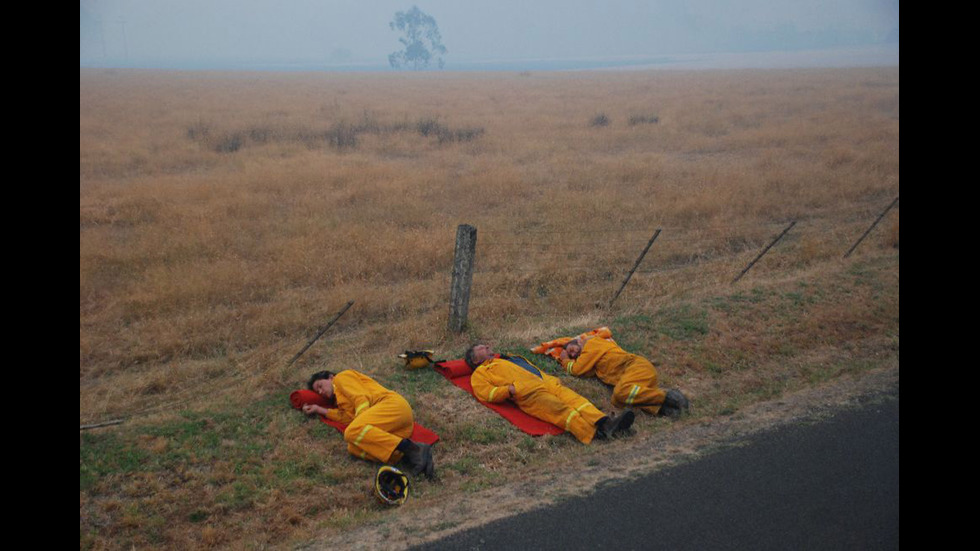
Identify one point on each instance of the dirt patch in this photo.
(418, 523)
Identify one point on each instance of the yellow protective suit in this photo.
(537, 394)
(378, 419)
(633, 377)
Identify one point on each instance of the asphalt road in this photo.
(826, 485)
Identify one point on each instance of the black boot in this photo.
(418, 459)
(676, 400)
(600, 428)
(607, 427)
(626, 421)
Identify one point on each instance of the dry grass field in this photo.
(225, 217)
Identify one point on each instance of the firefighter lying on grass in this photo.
(379, 420)
(540, 395)
(633, 377)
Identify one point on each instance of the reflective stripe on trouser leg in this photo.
(577, 425)
(548, 407)
(637, 387)
(586, 409)
(632, 396)
(571, 415)
(360, 436)
(380, 428)
(355, 449)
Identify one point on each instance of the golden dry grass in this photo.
(223, 217)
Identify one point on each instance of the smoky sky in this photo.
(216, 33)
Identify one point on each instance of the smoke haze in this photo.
(355, 34)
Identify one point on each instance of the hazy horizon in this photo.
(352, 35)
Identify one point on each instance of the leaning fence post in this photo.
(459, 291)
(320, 333)
(769, 246)
(635, 266)
(866, 232)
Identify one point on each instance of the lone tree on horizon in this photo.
(421, 40)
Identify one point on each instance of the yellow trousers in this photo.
(637, 386)
(377, 430)
(563, 407)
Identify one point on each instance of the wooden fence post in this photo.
(866, 232)
(635, 266)
(459, 291)
(769, 246)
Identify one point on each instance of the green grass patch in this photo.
(238, 496)
(101, 454)
(465, 466)
(476, 485)
(483, 433)
(413, 383)
(739, 301)
(683, 323)
(527, 444)
(798, 299)
(194, 440)
(308, 469)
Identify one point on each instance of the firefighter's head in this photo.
(573, 348)
(321, 382)
(477, 354)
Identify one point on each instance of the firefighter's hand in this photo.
(310, 409)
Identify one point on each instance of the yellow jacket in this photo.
(602, 357)
(354, 392)
(491, 379)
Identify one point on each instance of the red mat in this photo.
(301, 397)
(458, 373)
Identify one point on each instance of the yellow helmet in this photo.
(417, 359)
(391, 486)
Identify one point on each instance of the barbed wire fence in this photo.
(617, 254)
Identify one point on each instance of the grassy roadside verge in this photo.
(253, 474)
